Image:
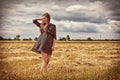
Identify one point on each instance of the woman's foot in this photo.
(43, 72)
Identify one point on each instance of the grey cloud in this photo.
(115, 26)
(85, 29)
(59, 15)
(79, 18)
(34, 8)
(113, 6)
(75, 27)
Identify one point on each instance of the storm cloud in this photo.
(70, 16)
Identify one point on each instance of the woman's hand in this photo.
(53, 44)
(37, 19)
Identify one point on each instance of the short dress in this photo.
(45, 40)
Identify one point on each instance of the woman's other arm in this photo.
(55, 37)
(54, 40)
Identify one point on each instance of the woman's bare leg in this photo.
(48, 58)
(44, 62)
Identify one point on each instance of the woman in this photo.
(46, 40)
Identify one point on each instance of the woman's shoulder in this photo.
(52, 24)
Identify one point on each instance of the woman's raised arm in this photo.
(35, 21)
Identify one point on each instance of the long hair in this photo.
(45, 27)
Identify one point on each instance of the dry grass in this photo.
(80, 60)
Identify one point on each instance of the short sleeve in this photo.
(36, 22)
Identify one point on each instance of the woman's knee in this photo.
(46, 57)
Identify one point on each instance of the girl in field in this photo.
(46, 40)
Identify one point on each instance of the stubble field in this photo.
(71, 60)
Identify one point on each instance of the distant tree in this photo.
(17, 37)
(1, 38)
(62, 39)
(89, 39)
(9, 39)
(35, 38)
(68, 37)
(30, 39)
(75, 39)
(27, 39)
(107, 39)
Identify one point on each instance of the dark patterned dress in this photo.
(45, 40)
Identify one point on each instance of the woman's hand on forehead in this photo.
(43, 17)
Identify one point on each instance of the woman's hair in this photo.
(48, 16)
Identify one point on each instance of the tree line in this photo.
(67, 38)
(17, 38)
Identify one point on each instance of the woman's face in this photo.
(44, 19)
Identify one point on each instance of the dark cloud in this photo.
(62, 15)
(113, 6)
(87, 29)
(80, 18)
(18, 14)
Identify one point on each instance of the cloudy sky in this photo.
(78, 18)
